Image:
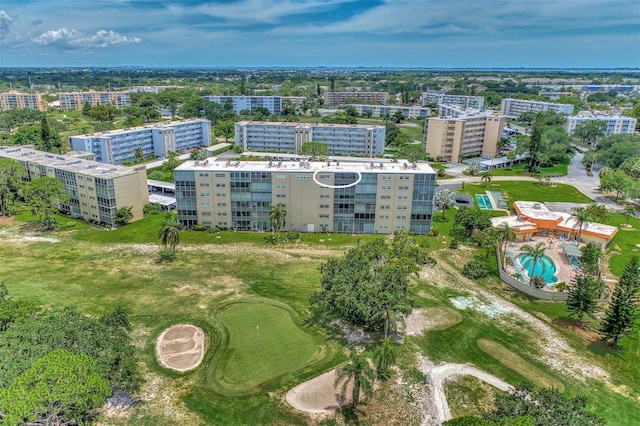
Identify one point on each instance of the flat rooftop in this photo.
(308, 166)
(137, 129)
(64, 162)
(293, 124)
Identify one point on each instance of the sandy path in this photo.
(438, 375)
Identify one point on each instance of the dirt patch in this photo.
(516, 363)
(421, 320)
(318, 396)
(181, 347)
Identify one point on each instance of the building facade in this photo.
(512, 108)
(341, 98)
(15, 100)
(458, 100)
(95, 190)
(250, 103)
(464, 135)
(412, 113)
(76, 100)
(341, 139)
(118, 146)
(318, 196)
(615, 123)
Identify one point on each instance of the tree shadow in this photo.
(350, 415)
(604, 348)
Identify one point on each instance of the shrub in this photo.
(454, 244)
(441, 173)
(199, 227)
(69, 225)
(293, 235)
(476, 268)
(538, 282)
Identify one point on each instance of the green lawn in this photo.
(559, 169)
(625, 243)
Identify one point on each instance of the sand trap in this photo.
(181, 347)
(421, 320)
(318, 395)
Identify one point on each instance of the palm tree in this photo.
(443, 200)
(486, 178)
(358, 372)
(277, 216)
(628, 211)
(170, 232)
(390, 315)
(535, 252)
(138, 153)
(384, 356)
(582, 215)
(506, 236)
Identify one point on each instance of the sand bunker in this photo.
(181, 347)
(435, 318)
(318, 395)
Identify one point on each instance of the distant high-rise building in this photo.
(457, 100)
(118, 146)
(77, 100)
(513, 108)
(15, 100)
(341, 98)
(341, 139)
(318, 196)
(463, 134)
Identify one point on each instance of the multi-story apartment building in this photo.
(463, 135)
(250, 103)
(95, 190)
(118, 146)
(15, 100)
(317, 196)
(341, 139)
(445, 99)
(341, 98)
(615, 123)
(413, 113)
(512, 108)
(76, 100)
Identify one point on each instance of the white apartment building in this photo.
(250, 103)
(341, 98)
(76, 100)
(95, 190)
(412, 113)
(459, 100)
(615, 123)
(359, 197)
(118, 146)
(15, 100)
(341, 139)
(512, 108)
(462, 134)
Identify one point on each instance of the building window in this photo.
(384, 216)
(220, 185)
(280, 176)
(222, 213)
(205, 194)
(401, 217)
(386, 177)
(281, 196)
(205, 204)
(402, 207)
(281, 186)
(403, 197)
(324, 196)
(323, 216)
(403, 187)
(385, 207)
(386, 187)
(385, 197)
(204, 185)
(222, 204)
(403, 177)
(325, 176)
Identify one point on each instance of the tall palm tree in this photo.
(277, 216)
(138, 153)
(384, 356)
(358, 372)
(170, 232)
(506, 236)
(582, 215)
(535, 252)
(486, 178)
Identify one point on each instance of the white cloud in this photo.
(76, 40)
(5, 24)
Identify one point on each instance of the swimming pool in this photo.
(483, 202)
(545, 267)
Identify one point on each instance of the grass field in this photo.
(528, 191)
(559, 169)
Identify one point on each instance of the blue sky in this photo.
(389, 33)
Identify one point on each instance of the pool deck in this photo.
(565, 272)
(494, 202)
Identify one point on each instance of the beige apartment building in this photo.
(15, 100)
(341, 98)
(95, 190)
(76, 100)
(353, 197)
(462, 136)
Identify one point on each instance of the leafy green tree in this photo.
(384, 356)
(59, 388)
(443, 200)
(123, 215)
(473, 168)
(359, 373)
(527, 117)
(631, 166)
(486, 178)
(590, 255)
(535, 253)
(629, 211)
(468, 220)
(225, 129)
(616, 181)
(489, 238)
(170, 232)
(315, 150)
(622, 313)
(199, 154)
(598, 212)
(590, 131)
(412, 152)
(26, 135)
(615, 149)
(44, 195)
(475, 269)
(397, 116)
(11, 174)
(278, 218)
(171, 162)
(583, 294)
